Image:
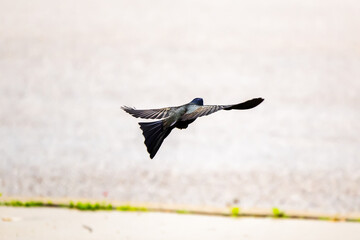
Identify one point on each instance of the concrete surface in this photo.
(46, 223)
(66, 67)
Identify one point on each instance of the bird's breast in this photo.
(174, 116)
(191, 108)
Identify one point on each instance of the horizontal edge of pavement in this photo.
(201, 210)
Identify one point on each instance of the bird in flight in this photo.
(177, 117)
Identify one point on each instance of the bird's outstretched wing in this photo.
(148, 113)
(209, 109)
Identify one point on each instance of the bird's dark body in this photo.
(183, 124)
(178, 117)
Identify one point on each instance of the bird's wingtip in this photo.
(125, 108)
(257, 100)
(246, 105)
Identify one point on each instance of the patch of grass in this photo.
(354, 220)
(235, 212)
(278, 213)
(129, 208)
(33, 204)
(91, 206)
(182, 211)
(15, 203)
(324, 218)
(84, 206)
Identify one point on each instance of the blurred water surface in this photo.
(66, 68)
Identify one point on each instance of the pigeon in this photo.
(177, 117)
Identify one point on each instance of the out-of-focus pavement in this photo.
(66, 67)
(46, 223)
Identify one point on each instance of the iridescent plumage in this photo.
(177, 117)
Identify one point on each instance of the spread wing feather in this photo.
(209, 109)
(148, 113)
(202, 111)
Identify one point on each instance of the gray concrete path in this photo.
(50, 223)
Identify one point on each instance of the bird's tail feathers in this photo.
(154, 134)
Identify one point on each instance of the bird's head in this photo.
(197, 101)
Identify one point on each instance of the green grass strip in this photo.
(235, 212)
(103, 206)
(278, 213)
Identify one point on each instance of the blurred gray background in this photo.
(66, 67)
